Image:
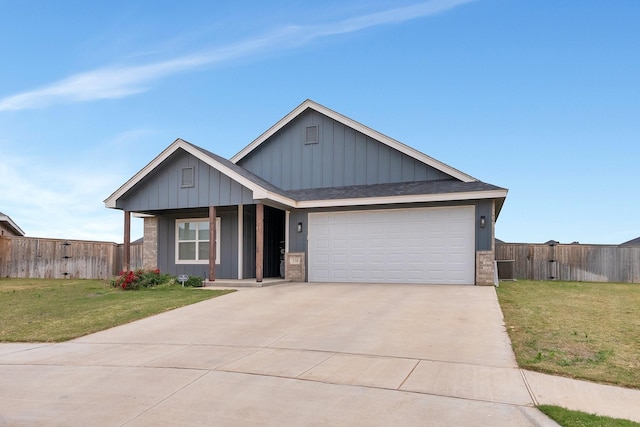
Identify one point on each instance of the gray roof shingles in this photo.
(392, 189)
(359, 191)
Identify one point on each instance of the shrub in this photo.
(139, 278)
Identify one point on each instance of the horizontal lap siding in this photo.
(342, 157)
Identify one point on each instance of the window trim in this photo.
(196, 241)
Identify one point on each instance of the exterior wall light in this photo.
(483, 221)
(299, 227)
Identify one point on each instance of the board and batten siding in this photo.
(162, 189)
(228, 267)
(341, 157)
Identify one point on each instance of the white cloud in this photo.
(122, 81)
(392, 16)
(60, 203)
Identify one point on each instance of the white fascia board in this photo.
(272, 130)
(110, 201)
(475, 195)
(258, 191)
(12, 224)
(141, 215)
(405, 149)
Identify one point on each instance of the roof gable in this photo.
(357, 127)
(259, 188)
(393, 172)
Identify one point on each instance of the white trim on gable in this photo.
(11, 224)
(397, 145)
(258, 191)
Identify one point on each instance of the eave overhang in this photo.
(414, 198)
(11, 225)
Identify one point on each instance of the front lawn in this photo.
(44, 310)
(581, 330)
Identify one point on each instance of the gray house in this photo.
(342, 202)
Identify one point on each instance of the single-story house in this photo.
(8, 227)
(323, 196)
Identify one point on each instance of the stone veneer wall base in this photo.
(150, 243)
(485, 268)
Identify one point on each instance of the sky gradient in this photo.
(542, 98)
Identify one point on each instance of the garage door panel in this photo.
(376, 259)
(339, 259)
(357, 275)
(377, 274)
(359, 258)
(395, 259)
(420, 245)
(358, 243)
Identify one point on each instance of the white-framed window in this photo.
(192, 241)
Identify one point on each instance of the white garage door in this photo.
(420, 245)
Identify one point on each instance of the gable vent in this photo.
(187, 177)
(311, 135)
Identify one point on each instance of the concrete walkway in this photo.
(296, 354)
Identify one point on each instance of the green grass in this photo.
(42, 310)
(567, 418)
(580, 330)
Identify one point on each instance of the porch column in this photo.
(259, 241)
(127, 242)
(240, 240)
(286, 231)
(212, 243)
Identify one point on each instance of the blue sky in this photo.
(542, 98)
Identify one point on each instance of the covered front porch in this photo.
(241, 242)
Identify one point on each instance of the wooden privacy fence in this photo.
(29, 257)
(575, 262)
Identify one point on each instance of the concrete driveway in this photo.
(291, 354)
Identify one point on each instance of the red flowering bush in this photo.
(139, 278)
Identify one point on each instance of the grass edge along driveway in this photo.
(54, 310)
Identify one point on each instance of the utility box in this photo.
(506, 269)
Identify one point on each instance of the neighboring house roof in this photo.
(632, 242)
(360, 128)
(8, 222)
(459, 187)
